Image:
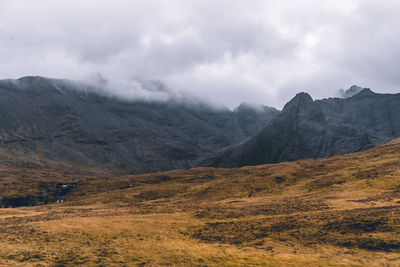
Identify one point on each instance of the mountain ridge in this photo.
(82, 124)
(64, 120)
(311, 129)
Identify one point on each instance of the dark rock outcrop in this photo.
(322, 128)
(19, 201)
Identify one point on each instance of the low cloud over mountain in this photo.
(72, 122)
(223, 51)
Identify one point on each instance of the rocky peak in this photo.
(354, 90)
(300, 100)
(365, 92)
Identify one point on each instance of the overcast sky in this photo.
(229, 51)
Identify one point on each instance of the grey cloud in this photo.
(224, 51)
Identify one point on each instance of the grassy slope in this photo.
(342, 210)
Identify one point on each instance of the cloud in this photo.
(260, 51)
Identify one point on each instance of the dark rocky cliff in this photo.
(64, 121)
(322, 128)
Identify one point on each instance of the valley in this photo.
(341, 210)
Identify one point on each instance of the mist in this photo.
(223, 52)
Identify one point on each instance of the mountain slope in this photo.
(67, 121)
(337, 211)
(321, 128)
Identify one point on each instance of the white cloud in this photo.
(223, 50)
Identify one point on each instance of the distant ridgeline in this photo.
(73, 122)
(69, 121)
(305, 128)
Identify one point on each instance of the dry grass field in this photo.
(338, 211)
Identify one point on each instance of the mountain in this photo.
(350, 92)
(312, 129)
(72, 122)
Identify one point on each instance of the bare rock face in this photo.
(350, 92)
(65, 121)
(322, 128)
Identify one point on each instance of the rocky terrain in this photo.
(313, 129)
(350, 92)
(72, 122)
(82, 124)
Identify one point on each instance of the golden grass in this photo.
(155, 240)
(342, 210)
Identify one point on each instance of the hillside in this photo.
(73, 122)
(313, 129)
(84, 125)
(337, 211)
